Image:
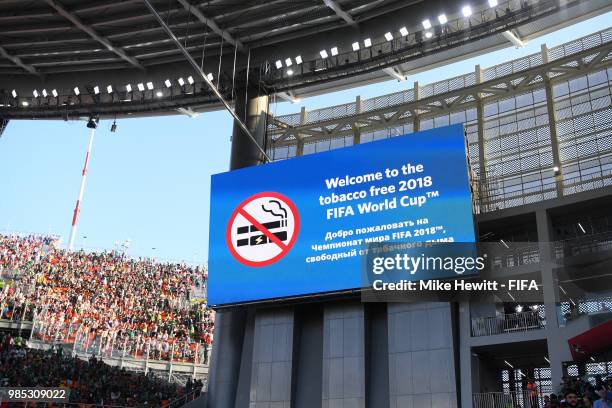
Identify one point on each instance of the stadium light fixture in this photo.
(388, 36)
(442, 18)
(35, 93)
(140, 87)
(289, 72)
(14, 93)
(279, 64)
(557, 170)
(467, 11)
(355, 46)
(181, 81)
(44, 93)
(150, 86)
(190, 80)
(334, 51)
(492, 3)
(581, 228)
(167, 83)
(54, 93)
(508, 364)
(128, 88)
(288, 62)
(24, 103)
(367, 42)
(159, 94)
(109, 89)
(76, 90)
(210, 76)
(323, 54)
(96, 89)
(298, 59)
(501, 241)
(403, 31)
(428, 34)
(519, 308)
(426, 24)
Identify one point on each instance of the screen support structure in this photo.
(204, 77)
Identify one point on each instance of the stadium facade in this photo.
(540, 147)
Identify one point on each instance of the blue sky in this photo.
(150, 181)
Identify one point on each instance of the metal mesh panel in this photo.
(584, 129)
(580, 44)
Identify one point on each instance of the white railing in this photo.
(515, 399)
(508, 323)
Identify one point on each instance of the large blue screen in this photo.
(299, 226)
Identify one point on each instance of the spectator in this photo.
(570, 399)
(604, 401)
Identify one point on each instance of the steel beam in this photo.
(211, 24)
(92, 33)
(17, 61)
(339, 12)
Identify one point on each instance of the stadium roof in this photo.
(70, 58)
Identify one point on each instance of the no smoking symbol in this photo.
(262, 229)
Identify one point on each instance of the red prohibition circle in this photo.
(284, 251)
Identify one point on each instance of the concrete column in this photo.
(343, 356)
(422, 355)
(271, 374)
(357, 130)
(466, 359)
(244, 152)
(230, 325)
(549, 288)
(300, 139)
(552, 123)
(415, 117)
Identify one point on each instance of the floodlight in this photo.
(96, 89)
(367, 42)
(141, 87)
(14, 93)
(388, 36)
(288, 62)
(181, 81)
(289, 72)
(25, 103)
(492, 3)
(109, 89)
(403, 31)
(442, 18)
(150, 86)
(334, 51)
(210, 76)
(35, 93)
(76, 90)
(167, 83)
(426, 24)
(279, 64)
(128, 88)
(159, 94)
(467, 11)
(323, 53)
(54, 93)
(190, 80)
(44, 93)
(355, 46)
(298, 59)
(428, 34)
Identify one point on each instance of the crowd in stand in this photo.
(105, 301)
(86, 382)
(578, 393)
